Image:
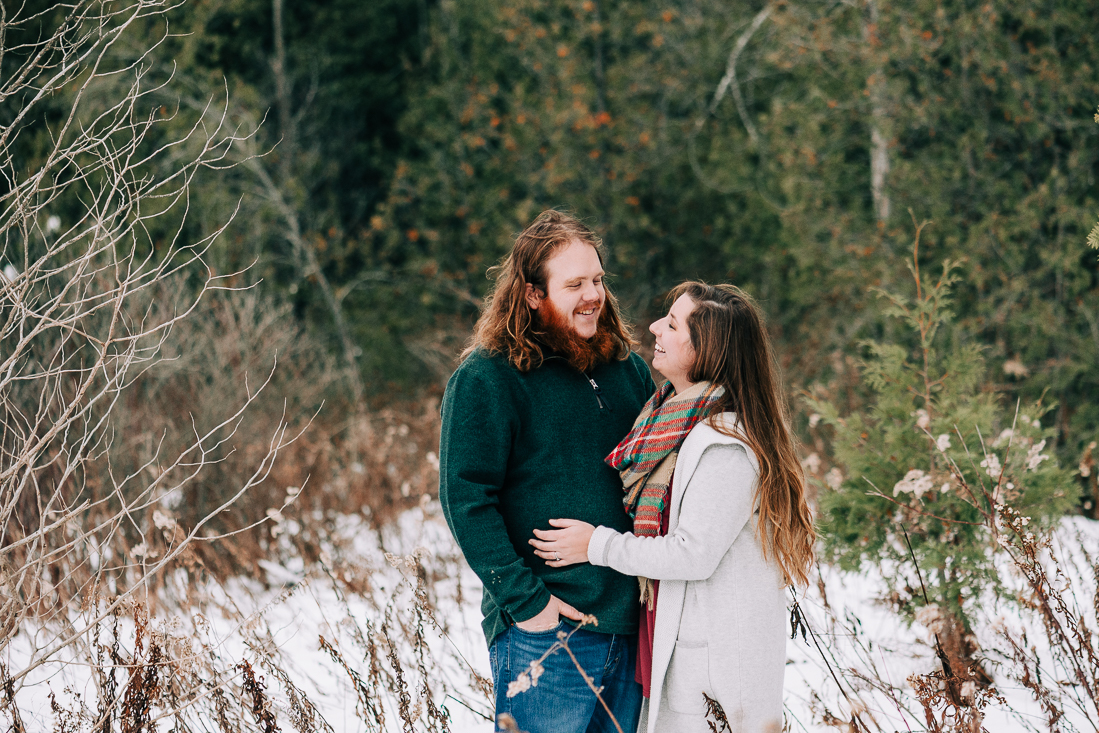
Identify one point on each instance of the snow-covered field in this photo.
(867, 641)
(281, 623)
(362, 591)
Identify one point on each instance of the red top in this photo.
(644, 673)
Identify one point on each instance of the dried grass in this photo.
(1060, 670)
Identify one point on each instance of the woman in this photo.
(721, 524)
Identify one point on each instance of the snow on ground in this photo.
(870, 640)
(286, 618)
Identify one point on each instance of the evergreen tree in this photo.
(926, 468)
(778, 147)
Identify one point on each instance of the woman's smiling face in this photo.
(674, 355)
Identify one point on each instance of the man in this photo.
(545, 391)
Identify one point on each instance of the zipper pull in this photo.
(598, 394)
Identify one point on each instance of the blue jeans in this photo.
(562, 702)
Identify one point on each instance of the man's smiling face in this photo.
(574, 281)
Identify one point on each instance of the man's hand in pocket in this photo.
(550, 616)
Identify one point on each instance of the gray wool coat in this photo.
(721, 609)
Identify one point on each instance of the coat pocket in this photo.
(688, 677)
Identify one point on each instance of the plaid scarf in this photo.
(646, 457)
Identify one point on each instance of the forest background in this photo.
(384, 155)
(783, 147)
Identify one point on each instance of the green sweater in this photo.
(520, 449)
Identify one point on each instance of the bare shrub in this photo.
(87, 307)
(216, 352)
(141, 415)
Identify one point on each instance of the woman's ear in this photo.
(534, 297)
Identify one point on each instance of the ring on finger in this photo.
(557, 556)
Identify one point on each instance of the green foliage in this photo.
(530, 105)
(412, 140)
(932, 454)
(610, 109)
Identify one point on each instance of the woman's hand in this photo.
(565, 546)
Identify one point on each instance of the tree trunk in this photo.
(879, 141)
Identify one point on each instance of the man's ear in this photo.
(534, 297)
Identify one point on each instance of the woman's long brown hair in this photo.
(732, 349)
(507, 325)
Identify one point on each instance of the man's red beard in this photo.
(563, 340)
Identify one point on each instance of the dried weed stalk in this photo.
(715, 715)
(1061, 671)
(256, 691)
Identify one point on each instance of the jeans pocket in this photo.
(550, 632)
(688, 676)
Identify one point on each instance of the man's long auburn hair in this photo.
(507, 325)
(732, 349)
